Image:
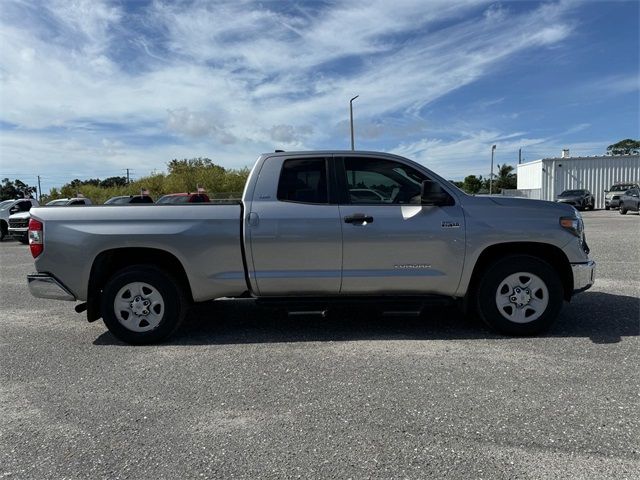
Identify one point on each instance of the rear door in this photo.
(294, 228)
(392, 243)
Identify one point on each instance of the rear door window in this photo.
(304, 181)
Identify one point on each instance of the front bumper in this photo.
(43, 285)
(18, 232)
(584, 275)
(612, 202)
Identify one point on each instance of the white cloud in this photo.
(232, 78)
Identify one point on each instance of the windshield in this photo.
(572, 193)
(117, 201)
(173, 199)
(621, 188)
(57, 203)
(4, 205)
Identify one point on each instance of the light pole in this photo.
(351, 117)
(493, 149)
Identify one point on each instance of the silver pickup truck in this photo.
(321, 227)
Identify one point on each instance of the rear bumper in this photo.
(584, 276)
(43, 285)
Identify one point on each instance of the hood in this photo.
(523, 203)
(20, 215)
(572, 198)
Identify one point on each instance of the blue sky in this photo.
(89, 88)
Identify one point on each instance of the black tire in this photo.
(173, 310)
(24, 239)
(607, 207)
(623, 209)
(501, 270)
(4, 229)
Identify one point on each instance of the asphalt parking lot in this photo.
(243, 393)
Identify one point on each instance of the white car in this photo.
(19, 222)
(9, 207)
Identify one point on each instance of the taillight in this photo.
(36, 237)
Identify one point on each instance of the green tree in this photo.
(16, 189)
(472, 184)
(505, 178)
(624, 147)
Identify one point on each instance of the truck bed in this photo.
(205, 238)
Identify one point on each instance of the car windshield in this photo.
(173, 199)
(621, 188)
(572, 193)
(57, 203)
(4, 205)
(117, 201)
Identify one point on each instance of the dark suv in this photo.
(630, 201)
(581, 199)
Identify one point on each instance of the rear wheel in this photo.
(143, 304)
(520, 295)
(3, 230)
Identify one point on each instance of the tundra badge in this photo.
(450, 224)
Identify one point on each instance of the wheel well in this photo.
(550, 253)
(110, 261)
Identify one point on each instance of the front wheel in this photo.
(623, 209)
(143, 304)
(24, 239)
(520, 295)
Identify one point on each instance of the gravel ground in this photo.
(244, 393)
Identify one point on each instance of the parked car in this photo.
(612, 196)
(296, 239)
(19, 222)
(9, 207)
(69, 202)
(129, 199)
(183, 198)
(581, 199)
(630, 201)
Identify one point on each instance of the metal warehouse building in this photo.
(546, 178)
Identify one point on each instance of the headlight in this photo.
(573, 224)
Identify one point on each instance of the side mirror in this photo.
(432, 193)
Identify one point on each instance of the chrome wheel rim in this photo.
(139, 307)
(522, 297)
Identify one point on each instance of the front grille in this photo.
(18, 223)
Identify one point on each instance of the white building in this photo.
(546, 178)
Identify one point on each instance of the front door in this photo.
(392, 243)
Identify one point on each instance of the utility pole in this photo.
(493, 149)
(519, 156)
(127, 175)
(351, 117)
(39, 190)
